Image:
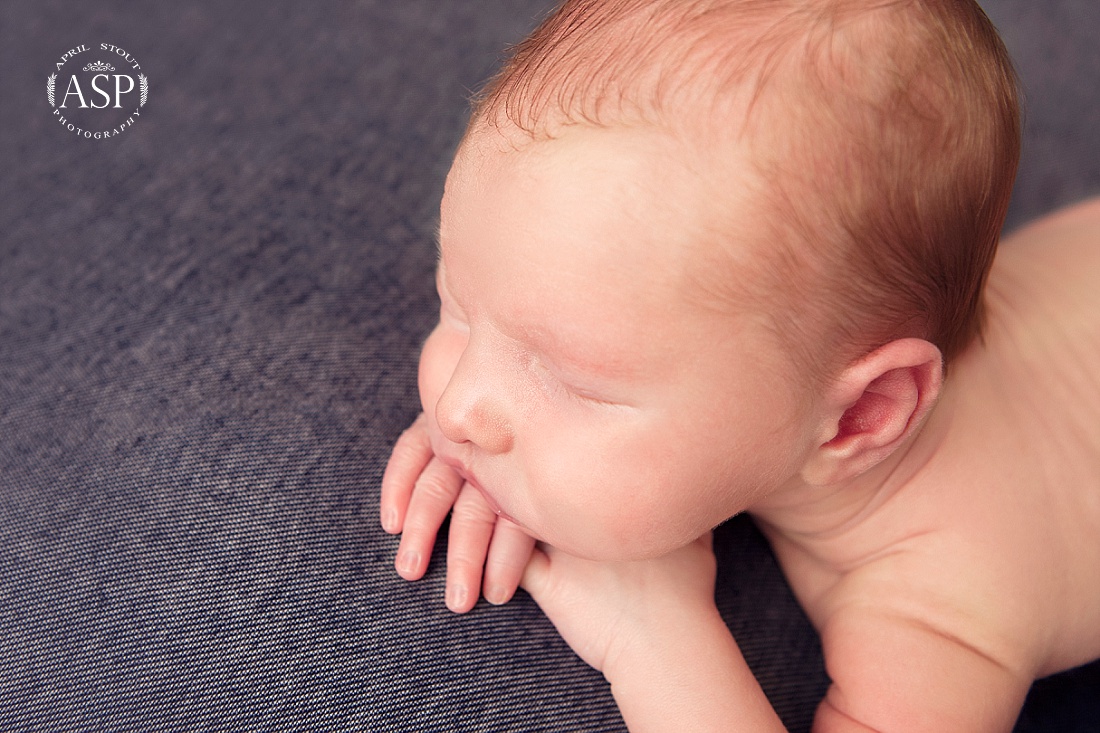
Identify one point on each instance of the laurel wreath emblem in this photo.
(96, 66)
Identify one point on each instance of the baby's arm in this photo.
(654, 631)
(898, 674)
(418, 491)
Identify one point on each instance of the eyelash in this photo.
(574, 393)
(580, 394)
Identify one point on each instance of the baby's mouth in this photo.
(469, 477)
(488, 497)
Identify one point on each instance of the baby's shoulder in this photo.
(1072, 232)
(1046, 278)
(1038, 363)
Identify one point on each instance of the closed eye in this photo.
(572, 391)
(582, 396)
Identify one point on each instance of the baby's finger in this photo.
(509, 552)
(433, 496)
(471, 529)
(411, 454)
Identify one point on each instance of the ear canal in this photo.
(883, 409)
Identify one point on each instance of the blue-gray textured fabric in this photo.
(209, 329)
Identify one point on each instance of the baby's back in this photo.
(1043, 341)
(1044, 299)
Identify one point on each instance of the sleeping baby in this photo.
(703, 257)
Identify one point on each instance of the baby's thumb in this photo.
(536, 576)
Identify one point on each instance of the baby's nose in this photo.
(467, 413)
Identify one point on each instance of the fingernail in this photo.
(457, 597)
(496, 595)
(389, 520)
(408, 562)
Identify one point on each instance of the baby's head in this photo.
(672, 229)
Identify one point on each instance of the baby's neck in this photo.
(806, 513)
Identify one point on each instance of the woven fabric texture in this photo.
(209, 329)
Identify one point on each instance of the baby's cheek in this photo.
(579, 502)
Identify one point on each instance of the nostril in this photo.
(472, 420)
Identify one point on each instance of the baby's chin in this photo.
(606, 546)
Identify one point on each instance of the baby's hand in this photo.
(653, 629)
(418, 490)
(602, 609)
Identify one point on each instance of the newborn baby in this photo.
(699, 258)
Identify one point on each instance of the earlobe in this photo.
(873, 407)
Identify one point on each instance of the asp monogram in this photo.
(100, 98)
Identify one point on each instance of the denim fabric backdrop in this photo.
(209, 329)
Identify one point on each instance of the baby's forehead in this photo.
(645, 162)
(666, 205)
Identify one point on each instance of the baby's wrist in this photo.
(664, 640)
(687, 673)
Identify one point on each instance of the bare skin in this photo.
(976, 560)
(945, 550)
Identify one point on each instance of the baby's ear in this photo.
(870, 410)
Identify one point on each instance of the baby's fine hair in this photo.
(886, 134)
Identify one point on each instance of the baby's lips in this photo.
(454, 463)
(491, 501)
(469, 477)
